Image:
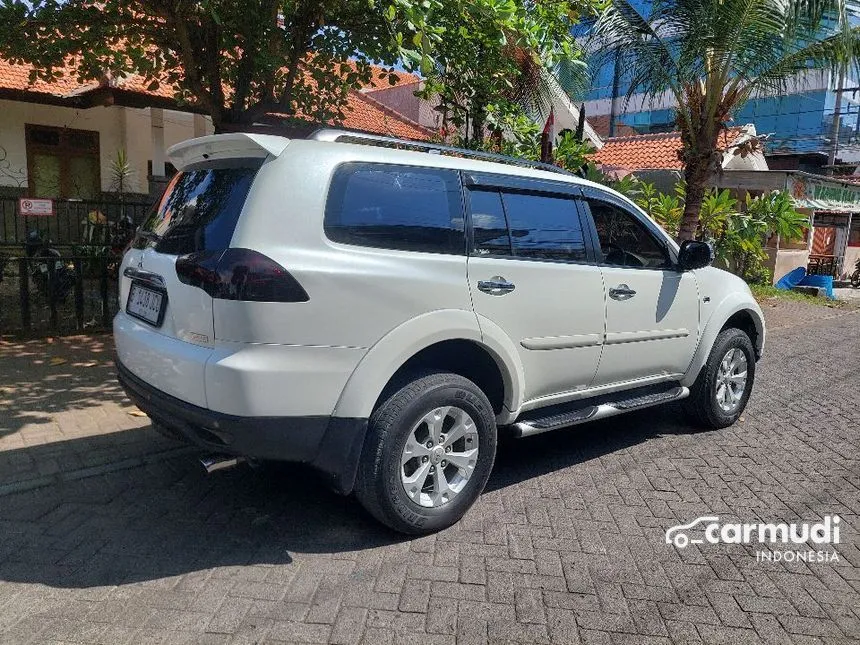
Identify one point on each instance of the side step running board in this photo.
(527, 428)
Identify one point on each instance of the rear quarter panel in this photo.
(357, 294)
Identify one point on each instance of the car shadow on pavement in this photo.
(169, 518)
(520, 459)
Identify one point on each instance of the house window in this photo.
(62, 163)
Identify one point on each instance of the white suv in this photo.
(358, 304)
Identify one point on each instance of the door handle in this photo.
(621, 292)
(496, 286)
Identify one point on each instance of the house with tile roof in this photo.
(58, 140)
(659, 154)
(832, 244)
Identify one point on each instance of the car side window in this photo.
(489, 224)
(526, 225)
(396, 207)
(624, 240)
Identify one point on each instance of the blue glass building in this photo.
(798, 123)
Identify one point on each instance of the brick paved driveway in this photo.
(565, 546)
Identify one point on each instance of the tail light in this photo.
(239, 274)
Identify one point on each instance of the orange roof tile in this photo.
(17, 77)
(368, 115)
(650, 151)
(139, 85)
(381, 80)
(361, 111)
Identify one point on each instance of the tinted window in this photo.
(198, 211)
(624, 240)
(544, 227)
(396, 207)
(489, 224)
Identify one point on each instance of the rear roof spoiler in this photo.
(235, 145)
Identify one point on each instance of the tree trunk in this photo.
(696, 174)
(479, 117)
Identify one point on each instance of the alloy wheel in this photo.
(439, 456)
(731, 380)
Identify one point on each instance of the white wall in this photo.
(118, 127)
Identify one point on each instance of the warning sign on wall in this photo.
(30, 207)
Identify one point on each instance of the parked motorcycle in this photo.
(42, 257)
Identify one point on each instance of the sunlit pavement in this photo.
(119, 537)
(847, 293)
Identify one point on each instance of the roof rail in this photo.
(348, 136)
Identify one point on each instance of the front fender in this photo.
(387, 355)
(731, 304)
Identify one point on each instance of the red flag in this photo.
(550, 122)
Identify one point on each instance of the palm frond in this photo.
(834, 54)
(536, 86)
(646, 58)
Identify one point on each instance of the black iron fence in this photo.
(68, 283)
(58, 295)
(72, 223)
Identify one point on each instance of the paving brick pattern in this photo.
(62, 411)
(566, 545)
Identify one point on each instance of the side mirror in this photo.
(694, 255)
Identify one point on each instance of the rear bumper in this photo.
(330, 444)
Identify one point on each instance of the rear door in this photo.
(530, 273)
(195, 218)
(652, 309)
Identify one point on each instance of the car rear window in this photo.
(199, 209)
(396, 207)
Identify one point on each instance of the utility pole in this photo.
(616, 79)
(837, 119)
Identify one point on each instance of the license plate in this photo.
(146, 304)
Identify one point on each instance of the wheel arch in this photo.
(747, 322)
(445, 339)
(739, 311)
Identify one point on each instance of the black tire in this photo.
(701, 406)
(855, 279)
(378, 484)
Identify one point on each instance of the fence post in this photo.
(24, 291)
(79, 291)
(104, 292)
(52, 290)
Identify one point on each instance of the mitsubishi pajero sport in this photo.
(380, 308)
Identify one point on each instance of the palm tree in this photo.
(711, 56)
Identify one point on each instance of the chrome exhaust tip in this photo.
(213, 463)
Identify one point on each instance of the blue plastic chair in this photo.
(822, 281)
(791, 279)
